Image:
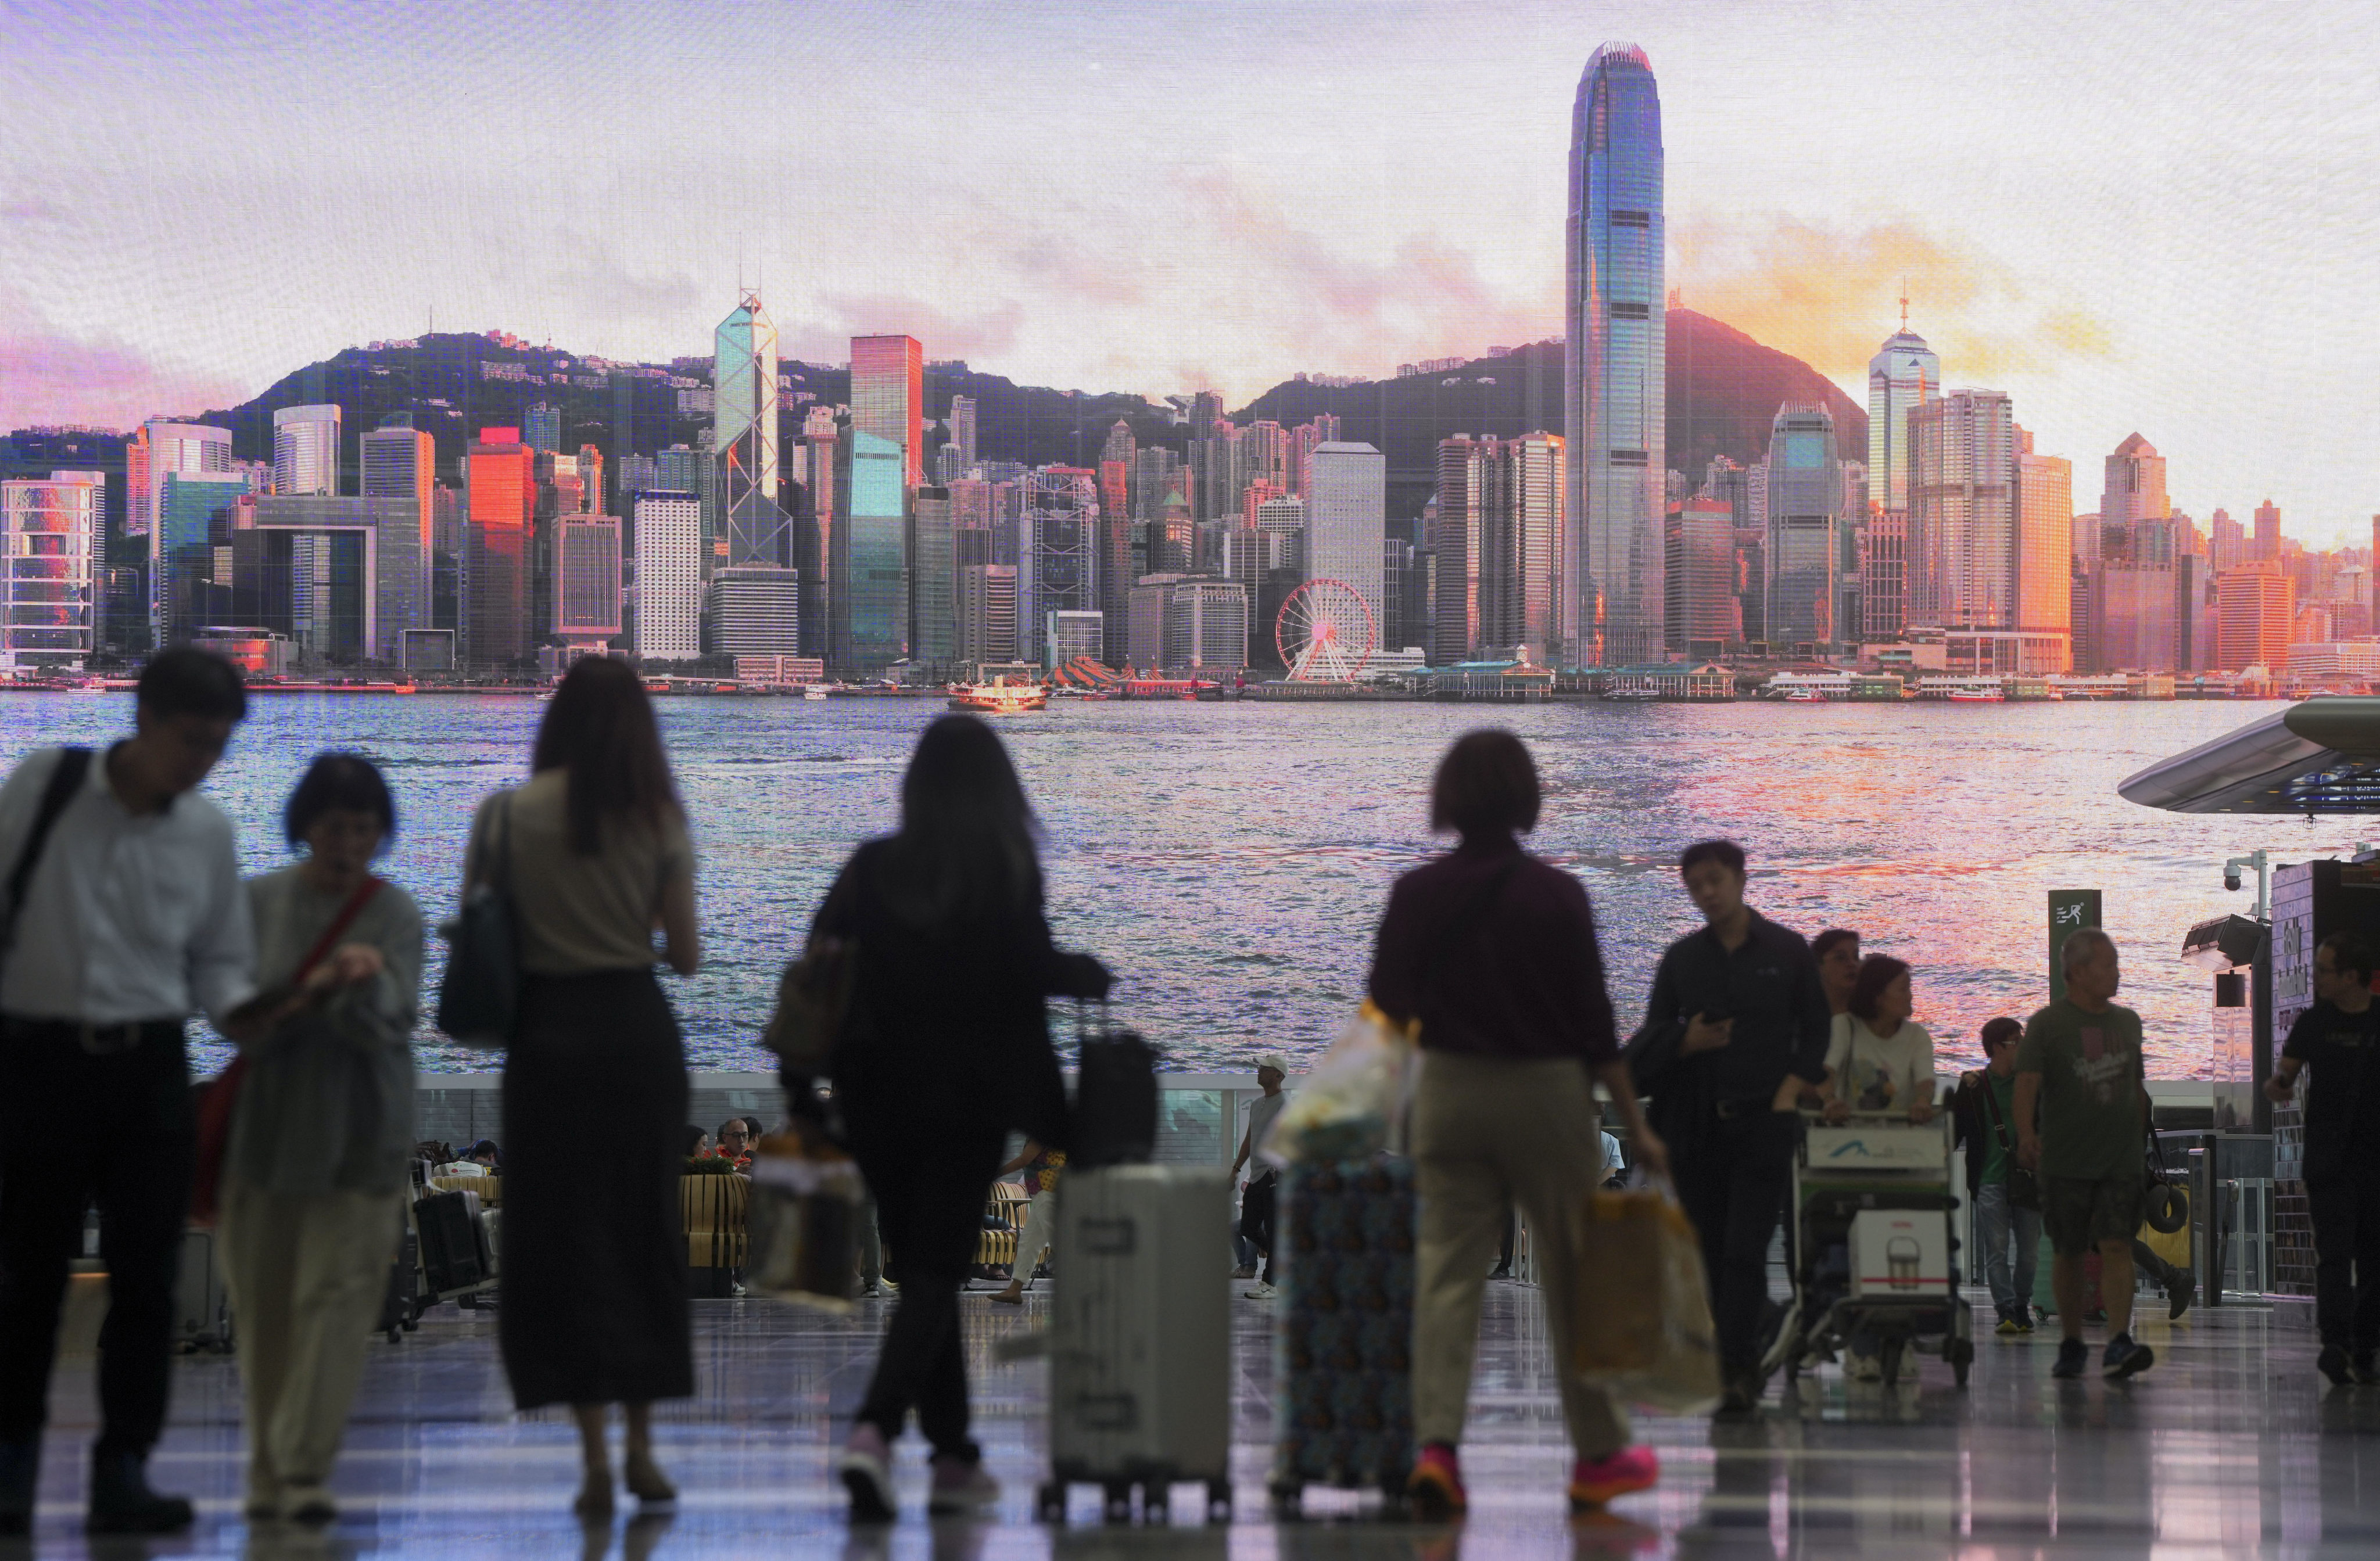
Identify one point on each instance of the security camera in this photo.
(2231, 877)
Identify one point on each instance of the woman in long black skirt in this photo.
(595, 852)
(946, 1048)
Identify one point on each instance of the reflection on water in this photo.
(1228, 861)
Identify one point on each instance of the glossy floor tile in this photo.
(2229, 1447)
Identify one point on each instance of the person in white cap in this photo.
(1256, 1203)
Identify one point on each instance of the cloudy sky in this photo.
(2163, 217)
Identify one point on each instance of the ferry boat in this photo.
(998, 697)
(1804, 696)
(1976, 697)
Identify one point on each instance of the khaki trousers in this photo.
(307, 1277)
(1488, 1133)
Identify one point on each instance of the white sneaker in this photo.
(1259, 1291)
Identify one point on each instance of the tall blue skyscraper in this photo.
(1611, 601)
(1903, 373)
(1805, 531)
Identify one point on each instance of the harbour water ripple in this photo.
(1230, 861)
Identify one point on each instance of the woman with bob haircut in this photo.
(595, 849)
(1494, 952)
(945, 1048)
(314, 1169)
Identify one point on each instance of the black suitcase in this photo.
(398, 1313)
(1115, 1097)
(450, 1242)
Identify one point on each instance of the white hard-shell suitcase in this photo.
(1140, 1336)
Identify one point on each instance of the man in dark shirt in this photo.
(2335, 1039)
(1737, 1023)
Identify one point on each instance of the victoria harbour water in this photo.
(1228, 861)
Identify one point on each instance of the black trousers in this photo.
(1257, 1212)
(1731, 1179)
(2346, 1218)
(76, 1127)
(929, 1193)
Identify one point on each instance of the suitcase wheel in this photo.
(1050, 1502)
(1219, 1499)
(1287, 1498)
(1118, 1501)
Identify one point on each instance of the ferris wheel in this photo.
(1326, 633)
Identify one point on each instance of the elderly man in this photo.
(2082, 1114)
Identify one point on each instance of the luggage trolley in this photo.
(1875, 1248)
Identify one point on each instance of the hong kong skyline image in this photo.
(1876, 433)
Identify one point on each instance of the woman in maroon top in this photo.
(1494, 952)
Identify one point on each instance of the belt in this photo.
(1743, 1106)
(99, 1040)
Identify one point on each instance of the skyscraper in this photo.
(306, 450)
(1961, 512)
(587, 595)
(542, 427)
(744, 438)
(933, 579)
(399, 465)
(1057, 556)
(867, 575)
(1456, 536)
(161, 449)
(1520, 541)
(2268, 542)
(1903, 373)
(2134, 492)
(987, 612)
(963, 430)
(500, 475)
(669, 575)
(50, 533)
(1611, 609)
(1805, 526)
(2253, 607)
(887, 397)
(1347, 519)
(1699, 576)
(2044, 543)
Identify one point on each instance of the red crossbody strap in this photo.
(339, 923)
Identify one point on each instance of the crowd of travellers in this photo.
(125, 915)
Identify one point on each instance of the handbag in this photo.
(2023, 1187)
(478, 994)
(813, 1000)
(218, 1099)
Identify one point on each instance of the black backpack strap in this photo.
(74, 765)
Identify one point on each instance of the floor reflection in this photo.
(2227, 1449)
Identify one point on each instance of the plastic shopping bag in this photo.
(803, 1221)
(1642, 1325)
(1350, 1104)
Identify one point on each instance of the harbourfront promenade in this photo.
(2231, 1449)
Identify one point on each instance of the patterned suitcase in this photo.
(1343, 1369)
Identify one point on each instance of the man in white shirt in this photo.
(1257, 1203)
(124, 918)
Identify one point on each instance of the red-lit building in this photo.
(500, 481)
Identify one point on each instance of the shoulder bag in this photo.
(813, 1000)
(216, 1101)
(2023, 1187)
(479, 996)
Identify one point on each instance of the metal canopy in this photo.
(2319, 757)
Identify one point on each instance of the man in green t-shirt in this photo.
(2079, 1068)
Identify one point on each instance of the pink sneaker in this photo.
(1595, 1482)
(1435, 1487)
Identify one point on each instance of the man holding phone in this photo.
(1737, 1024)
